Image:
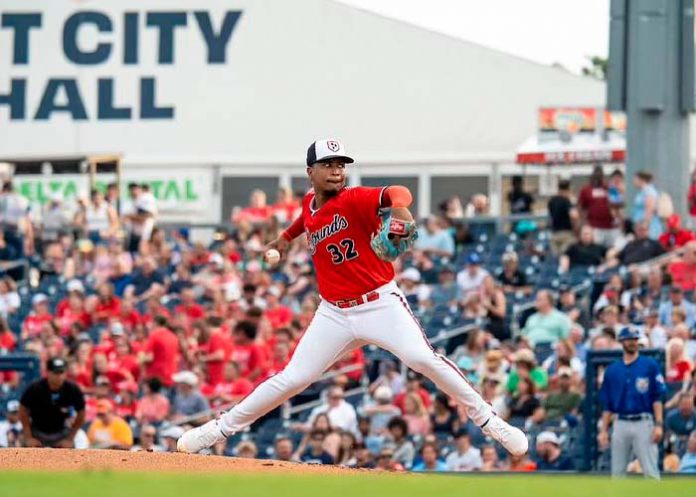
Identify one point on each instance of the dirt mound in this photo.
(117, 460)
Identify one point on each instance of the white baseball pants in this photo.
(386, 322)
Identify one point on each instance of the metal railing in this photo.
(207, 413)
(444, 336)
(290, 411)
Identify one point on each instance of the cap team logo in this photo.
(333, 145)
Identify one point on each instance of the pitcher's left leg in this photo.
(392, 326)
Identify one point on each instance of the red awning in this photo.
(581, 149)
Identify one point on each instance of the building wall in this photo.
(289, 72)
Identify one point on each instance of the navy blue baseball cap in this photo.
(56, 365)
(325, 150)
(473, 258)
(628, 333)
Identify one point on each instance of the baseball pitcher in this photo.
(354, 233)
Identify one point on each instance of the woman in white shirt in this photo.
(9, 298)
(98, 218)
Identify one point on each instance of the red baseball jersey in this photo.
(339, 235)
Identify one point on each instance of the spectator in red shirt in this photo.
(161, 354)
(230, 251)
(679, 365)
(110, 369)
(279, 358)
(154, 308)
(278, 315)
(675, 236)
(107, 305)
(213, 348)
(413, 385)
(81, 368)
(594, 205)
(200, 256)
(232, 388)
(286, 208)
(74, 287)
(75, 312)
(246, 353)
(683, 271)
(37, 318)
(257, 212)
(128, 316)
(8, 342)
(124, 360)
(189, 306)
(9, 379)
(353, 359)
(127, 399)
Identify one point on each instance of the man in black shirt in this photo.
(145, 279)
(45, 406)
(562, 215)
(641, 249)
(512, 279)
(585, 252)
(520, 201)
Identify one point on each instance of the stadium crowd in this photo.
(158, 331)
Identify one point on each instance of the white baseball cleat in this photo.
(513, 439)
(197, 439)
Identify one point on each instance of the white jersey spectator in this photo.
(411, 285)
(341, 414)
(477, 207)
(471, 278)
(54, 220)
(13, 207)
(464, 457)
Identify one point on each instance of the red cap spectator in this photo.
(675, 236)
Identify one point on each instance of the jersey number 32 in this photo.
(345, 252)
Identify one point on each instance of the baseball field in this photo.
(54, 473)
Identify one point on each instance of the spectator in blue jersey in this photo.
(631, 394)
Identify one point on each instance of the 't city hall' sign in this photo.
(90, 39)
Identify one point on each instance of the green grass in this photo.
(108, 484)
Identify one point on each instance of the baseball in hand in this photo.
(272, 256)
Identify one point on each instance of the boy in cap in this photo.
(550, 454)
(11, 427)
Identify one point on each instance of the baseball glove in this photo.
(394, 237)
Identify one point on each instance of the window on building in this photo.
(445, 187)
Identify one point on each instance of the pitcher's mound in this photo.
(118, 460)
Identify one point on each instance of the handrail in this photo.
(315, 403)
(497, 220)
(443, 336)
(228, 405)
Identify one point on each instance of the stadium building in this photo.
(210, 101)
